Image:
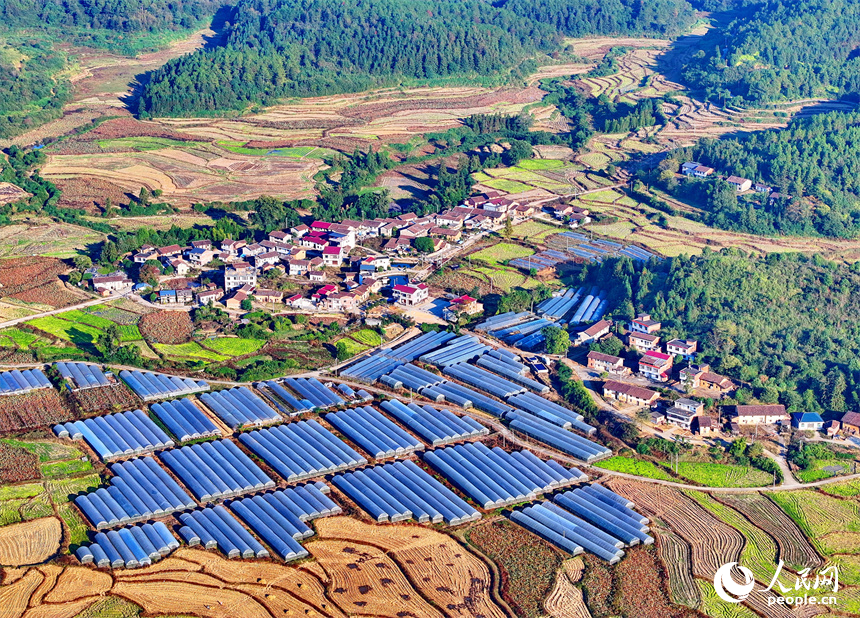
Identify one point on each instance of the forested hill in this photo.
(280, 48)
(814, 160)
(115, 15)
(588, 17)
(785, 324)
(781, 49)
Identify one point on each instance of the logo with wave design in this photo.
(727, 588)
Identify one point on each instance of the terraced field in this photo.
(696, 532)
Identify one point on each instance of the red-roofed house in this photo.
(411, 294)
(656, 366)
(333, 256)
(321, 225)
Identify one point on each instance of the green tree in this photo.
(508, 230)
(246, 304)
(557, 340)
(82, 262)
(424, 244)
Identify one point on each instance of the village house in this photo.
(323, 292)
(105, 284)
(340, 301)
(144, 256)
(201, 244)
(397, 245)
(705, 426)
(452, 220)
(761, 188)
(299, 230)
(200, 256)
(760, 414)
(175, 297)
(333, 256)
(850, 423)
(270, 257)
(316, 275)
(262, 295)
(656, 366)
(629, 393)
(239, 274)
(169, 251)
(234, 302)
(252, 250)
(643, 342)
(700, 376)
(831, 428)
(212, 295)
(682, 347)
(280, 236)
(180, 266)
(607, 363)
(683, 412)
(696, 169)
(644, 324)
(297, 267)
(411, 295)
(342, 236)
(232, 246)
(593, 332)
(740, 184)
(499, 204)
(523, 211)
(715, 382)
(446, 233)
(462, 305)
(807, 421)
(316, 241)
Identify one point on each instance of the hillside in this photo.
(286, 48)
(786, 323)
(774, 50)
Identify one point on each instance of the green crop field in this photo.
(23, 340)
(352, 347)
(501, 252)
(234, 346)
(367, 337)
(143, 143)
(628, 465)
(723, 475)
(540, 164)
(89, 319)
(129, 333)
(65, 330)
(817, 472)
(190, 350)
(509, 186)
(63, 469)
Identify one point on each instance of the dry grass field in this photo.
(30, 542)
(357, 569)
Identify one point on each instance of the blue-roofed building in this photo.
(807, 421)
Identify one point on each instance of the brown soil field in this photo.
(30, 542)
(11, 193)
(438, 566)
(185, 181)
(361, 570)
(364, 580)
(29, 236)
(565, 600)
